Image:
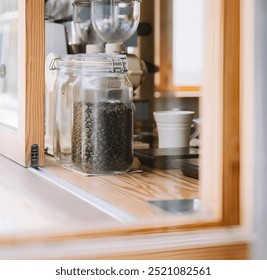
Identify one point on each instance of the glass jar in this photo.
(63, 108)
(103, 115)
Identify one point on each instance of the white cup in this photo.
(174, 128)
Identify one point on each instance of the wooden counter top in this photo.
(54, 199)
(131, 192)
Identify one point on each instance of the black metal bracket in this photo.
(34, 155)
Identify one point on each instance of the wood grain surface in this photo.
(131, 192)
(226, 252)
(35, 78)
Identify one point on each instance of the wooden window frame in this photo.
(220, 101)
(16, 144)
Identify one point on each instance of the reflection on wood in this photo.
(131, 192)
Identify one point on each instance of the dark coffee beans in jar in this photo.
(102, 137)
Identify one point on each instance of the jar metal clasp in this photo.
(53, 65)
(113, 69)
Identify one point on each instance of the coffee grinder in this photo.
(105, 25)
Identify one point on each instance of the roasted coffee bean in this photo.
(102, 137)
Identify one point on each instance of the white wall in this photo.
(259, 248)
(188, 42)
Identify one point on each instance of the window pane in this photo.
(187, 42)
(9, 63)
